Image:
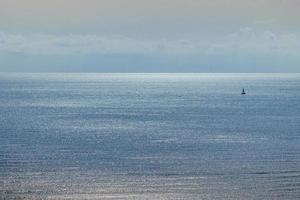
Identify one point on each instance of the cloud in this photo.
(246, 50)
(70, 44)
(88, 44)
(249, 41)
(246, 41)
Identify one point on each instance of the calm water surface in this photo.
(149, 136)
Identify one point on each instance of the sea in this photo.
(149, 136)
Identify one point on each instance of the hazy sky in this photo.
(150, 36)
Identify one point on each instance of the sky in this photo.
(150, 36)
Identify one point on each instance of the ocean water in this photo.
(149, 136)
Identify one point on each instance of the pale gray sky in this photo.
(150, 36)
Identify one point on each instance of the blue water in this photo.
(149, 136)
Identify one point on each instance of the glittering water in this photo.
(149, 136)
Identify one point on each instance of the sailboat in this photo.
(243, 92)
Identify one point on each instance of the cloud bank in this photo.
(235, 49)
(246, 40)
